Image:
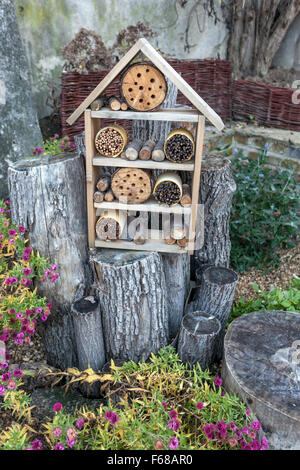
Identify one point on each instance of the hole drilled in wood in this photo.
(152, 80)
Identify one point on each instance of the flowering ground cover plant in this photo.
(54, 146)
(161, 405)
(265, 212)
(20, 305)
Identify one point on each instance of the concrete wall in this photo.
(47, 25)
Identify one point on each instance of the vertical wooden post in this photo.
(196, 181)
(91, 127)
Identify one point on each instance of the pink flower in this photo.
(12, 232)
(174, 425)
(17, 373)
(71, 433)
(232, 442)
(218, 381)
(54, 267)
(256, 425)
(25, 257)
(56, 136)
(2, 390)
(173, 414)
(164, 404)
(11, 241)
(71, 442)
(47, 272)
(57, 407)
(27, 271)
(28, 250)
(247, 412)
(199, 405)
(264, 443)
(58, 446)
(80, 423)
(19, 315)
(21, 229)
(11, 385)
(57, 432)
(7, 203)
(36, 445)
(174, 443)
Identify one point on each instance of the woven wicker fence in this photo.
(269, 105)
(210, 78)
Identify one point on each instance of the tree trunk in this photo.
(217, 186)
(177, 273)
(261, 367)
(48, 197)
(88, 333)
(19, 127)
(215, 296)
(197, 338)
(132, 294)
(79, 141)
(257, 30)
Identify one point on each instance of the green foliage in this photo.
(53, 146)
(265, 212)
(275, 299)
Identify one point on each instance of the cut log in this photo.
(261, 366)
(114, 103)
(124, 106)
(99, 103)
(110, 225)
(217, 186)
(132, 293)
(103, 183)
(48, 197)
(132, 185)
(215, 296)
(182, 242)
(186, 199)
(177, 228)
(143, 87)
(88, 333)
(98, 196)
(177, 274)
(109, 196)
(197, 338)
(158, 153)
(146, 150)
(132, 149)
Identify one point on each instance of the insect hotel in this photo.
(132, 180)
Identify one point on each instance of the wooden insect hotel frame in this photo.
(95, 162)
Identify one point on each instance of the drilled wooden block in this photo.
(143, 87)
(131, 185)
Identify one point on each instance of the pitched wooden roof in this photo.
(142, 45)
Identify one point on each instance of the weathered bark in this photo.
(99, 103)
(88, 333)
(197, 338)
(217, 186)
(48, 197)
(215, 296)
(177, 273)
(261, 366)
(156, 130)
(103, 183)
(257, 30)
(132, 294)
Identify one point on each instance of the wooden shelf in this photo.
(150, 206)
(150, 245)
(150, 164)
(176, 114)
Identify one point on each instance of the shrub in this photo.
(20, 306)
(275, 299)
(265, 212)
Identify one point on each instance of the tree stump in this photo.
(177, 273)
(88, 333)
(217, 186)
(48, 197)
(262, 366)
(197, 338)
(132, 293)
(215, 295)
